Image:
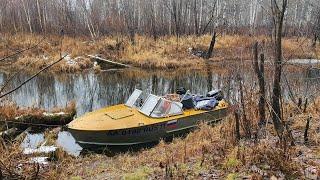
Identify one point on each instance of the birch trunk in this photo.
(27, 14)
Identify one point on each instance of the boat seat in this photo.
(172, 97)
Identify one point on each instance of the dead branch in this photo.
(35, 75)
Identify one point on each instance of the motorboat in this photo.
(147, 118)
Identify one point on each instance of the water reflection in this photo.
(92, 91)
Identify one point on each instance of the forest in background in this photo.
(154, 18)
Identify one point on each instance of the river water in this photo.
(91, 90)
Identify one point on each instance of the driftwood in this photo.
(108, 62)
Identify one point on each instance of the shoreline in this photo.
(163, 54)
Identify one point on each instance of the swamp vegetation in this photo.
(264, 56)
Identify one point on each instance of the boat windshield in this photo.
(158, 107)
(132, 100)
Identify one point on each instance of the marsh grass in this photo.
(164, 53)
(206, 152)
(209, 151)
(10, 111)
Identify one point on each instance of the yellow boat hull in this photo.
(129, 127)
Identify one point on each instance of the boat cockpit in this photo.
(154, 106)
(171, 104)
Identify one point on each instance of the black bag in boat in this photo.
(216, 94)
(187, 102)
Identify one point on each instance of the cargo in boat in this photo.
(145, 120)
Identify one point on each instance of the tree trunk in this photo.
(195, 14)
(27, 14)
(278, 16)
(39, 15)
(132, 36)
(315, 40)
(305, 136)
(212, 43)
(237, 128)
(246, 122)
(259, 69)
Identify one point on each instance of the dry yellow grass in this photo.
(9, 111)
(165, 53)
(207, 152)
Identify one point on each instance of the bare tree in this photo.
(278, 14)
(212, 43)
(179, 17)
(316, 28)
(259, 70)
(27, 14)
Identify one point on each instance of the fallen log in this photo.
(58, 119)
(13, 116)
(45, 119)
(108, 62)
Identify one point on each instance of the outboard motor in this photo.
(181, 91)
(216, 94)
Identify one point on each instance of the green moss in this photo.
(232, 176)
(76, 178)
(139, 174)
(183, 168)
(231, 163)
(197, 168)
